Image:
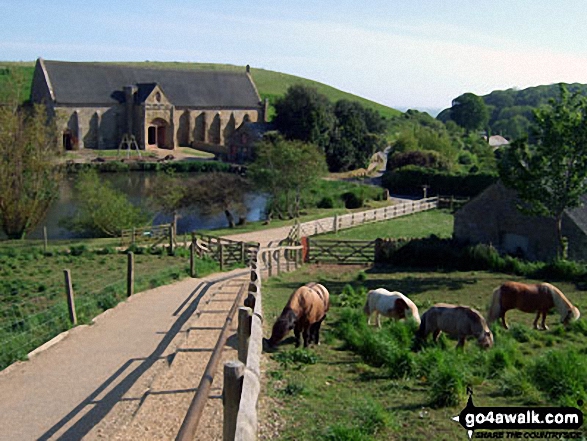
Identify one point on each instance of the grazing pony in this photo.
(394, 305)
(539, 298)
(304, 313)
(457, 321)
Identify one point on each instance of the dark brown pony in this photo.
(539, 298)
(304, 313)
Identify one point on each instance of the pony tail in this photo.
(366, 308)
(495, 307)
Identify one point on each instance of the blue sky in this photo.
(408, 53)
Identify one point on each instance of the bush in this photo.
(325, 202)
(561, 375)
(447, 386)
(410, 179)
(352, 200)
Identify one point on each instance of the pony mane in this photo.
(495, 306)
(561, 303)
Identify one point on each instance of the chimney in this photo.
(129, 99)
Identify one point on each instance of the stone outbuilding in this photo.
(493, 218)
(97, 105)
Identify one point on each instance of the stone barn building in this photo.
(96, 105)
(493, 218)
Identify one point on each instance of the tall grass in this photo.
(558, 376)
(32, 302)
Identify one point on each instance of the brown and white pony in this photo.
(457, 321)
(394, 305)
(304, 313)
(539, 298)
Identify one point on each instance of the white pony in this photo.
(394, 305)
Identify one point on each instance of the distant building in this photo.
(96, 104)
(493, 218)
(241, 144)
(497, 141)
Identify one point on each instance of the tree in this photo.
(29, 172)
(305, 114)
(102, 209)
(285, 170)
(214, 193)
(169, 196)
(469, 111)
(549, 172)
(355, 137)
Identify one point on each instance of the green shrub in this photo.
(293, 388)
(352, 200)
(410, 179)
(78, 250)
(513, 383)
(561, 375)
(295, 357)
(351, 298)
(325, 202)
(447, 386)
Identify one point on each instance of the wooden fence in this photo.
(336, 223)
(360, 252)
(224, 251)
(153, 235)
(242, 378)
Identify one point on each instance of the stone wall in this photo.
(493, 218)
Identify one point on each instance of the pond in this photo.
(136, 186)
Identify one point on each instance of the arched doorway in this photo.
(183, 132)
(70, 134)
(157, 133)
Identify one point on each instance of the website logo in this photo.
(515, 419)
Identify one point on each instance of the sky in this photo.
(401, 53)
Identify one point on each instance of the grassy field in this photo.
(32, 295)
(363, 383)
(411, 226)
(270, 84)
(324, 189)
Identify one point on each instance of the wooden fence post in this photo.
(231, 397)
(269, 255)
(244, 332)
(132, 241)
(171, 239)
(130, 274)
(335, 223)
(221, 255)
(278, 259)
(193, 259)
(242, 253)
(45, 239)
(70, 299)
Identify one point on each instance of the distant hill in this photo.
(270, 84)
(511, 110)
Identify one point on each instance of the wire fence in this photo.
(33, 301)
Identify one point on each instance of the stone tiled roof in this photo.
(76, 83)
(579, 214)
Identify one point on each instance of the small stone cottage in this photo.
(493, 218)
(97, 105)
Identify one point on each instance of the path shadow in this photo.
(99, 408)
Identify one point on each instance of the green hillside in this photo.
(511, 110)
(270, 84)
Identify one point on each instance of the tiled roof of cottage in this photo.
(75, 83)
(579, 214)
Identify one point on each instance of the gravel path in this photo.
(90, 383)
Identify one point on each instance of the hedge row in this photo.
(179, 166)
(409, 180)
(448, 254)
